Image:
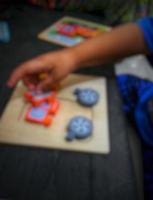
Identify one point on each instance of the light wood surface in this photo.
(15, 130)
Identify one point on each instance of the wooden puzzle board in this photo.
(50, 34)
(15, 130)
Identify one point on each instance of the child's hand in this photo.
(56, 65)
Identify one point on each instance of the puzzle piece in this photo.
(38, 115)
(43, 106)
(79, 127)
(87, 97)
(87, 32)
(37, 99)
(51, 108)
(41, 114)
(72, 30)
(66, 29)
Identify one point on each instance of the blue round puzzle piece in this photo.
(87, 97)
(79, 127)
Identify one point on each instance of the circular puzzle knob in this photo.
(79, 127)
(87, 97)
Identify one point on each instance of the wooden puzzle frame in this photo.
(15, 130)
(45, 34)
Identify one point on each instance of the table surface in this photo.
(34, 173)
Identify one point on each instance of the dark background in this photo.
(34, 173)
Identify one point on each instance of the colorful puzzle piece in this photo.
(72, 30)
(36, 99)
(43, 106)
(38, 115)
(79, 127)
(87, 97)
(42, 113)
(51, 108)
(66, 29)
(87, 32)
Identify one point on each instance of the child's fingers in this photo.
(44, 83)
(30, 82)
(32, 67)
(17, 74)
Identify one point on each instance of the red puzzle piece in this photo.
(37, 99)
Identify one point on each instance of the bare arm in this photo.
(120, 42)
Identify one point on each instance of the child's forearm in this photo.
(120, 42)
